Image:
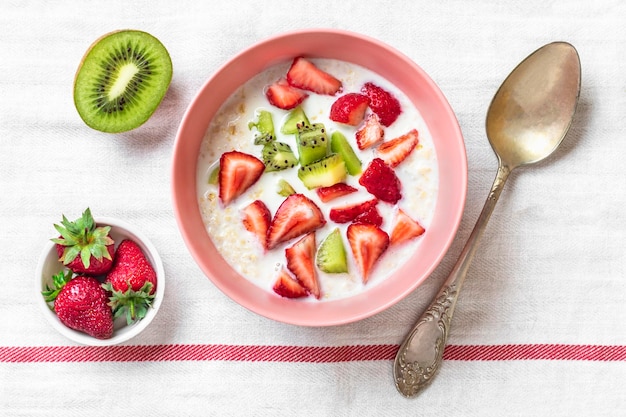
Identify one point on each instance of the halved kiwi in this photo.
(121, 80)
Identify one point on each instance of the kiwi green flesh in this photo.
(214, 174)
(278, 156)
(284, 188)
(264, 126)
(121, 81)
(294, 118)
(331, 255)
(323, 173)
(312, 143)
(339, 144)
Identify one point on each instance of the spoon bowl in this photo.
(532, 110)
(527, 120)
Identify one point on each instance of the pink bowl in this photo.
(399, 70)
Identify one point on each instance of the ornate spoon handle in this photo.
(421, 353)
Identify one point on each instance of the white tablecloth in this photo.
(540, 328)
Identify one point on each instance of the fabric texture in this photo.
(540, 327)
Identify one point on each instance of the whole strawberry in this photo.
(132, 282)
(81, 304)
(83, 247)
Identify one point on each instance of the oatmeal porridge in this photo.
(283, 178)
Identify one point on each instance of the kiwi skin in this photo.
(145, 86)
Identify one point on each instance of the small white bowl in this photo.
(49, 265)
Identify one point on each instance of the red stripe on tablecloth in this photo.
(310, 354)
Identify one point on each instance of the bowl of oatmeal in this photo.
(319, 177)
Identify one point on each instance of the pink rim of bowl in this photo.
(399, 70)
(49, 265)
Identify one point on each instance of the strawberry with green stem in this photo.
(132, 282)
(84, 247)
(81, 304)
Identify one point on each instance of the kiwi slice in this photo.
(293, 119)
(339, 144)
(121, 80)
(278, 156)
(264, 126)
(214, 173)
(323, 173)
(284, 188)
(331, 255)
(312, 143)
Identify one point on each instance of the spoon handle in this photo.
(421, 353)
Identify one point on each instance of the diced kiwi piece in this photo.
(284, 188)
(339, 144)
(264, 125)
(214, 174)
(323, 173)
(331, 255)
(294, 118)
(278, 156)
(121, 80)
(312, 143)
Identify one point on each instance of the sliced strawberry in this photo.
(383, 103)
(405, 228)
(396, 150)
(287, 286)
(380, 180)
(238, 172)
(296, 216)
(305, 75)
(348, 213)
(256, 219)
(301, 261)
(370, 133)
(368, 242)
(349, 109)
(370, 216)
(332, 192)
(284, 96)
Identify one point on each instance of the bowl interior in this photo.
(396, 68)
(49, 265)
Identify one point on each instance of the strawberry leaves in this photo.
(58, 282)
(134, 304)
(82, 237)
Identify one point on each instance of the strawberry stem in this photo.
(83, 238)
(58, 282)
(133, 304)
(131, 312)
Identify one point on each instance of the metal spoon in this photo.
(527, 120)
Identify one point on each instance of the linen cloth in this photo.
(540, 328)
